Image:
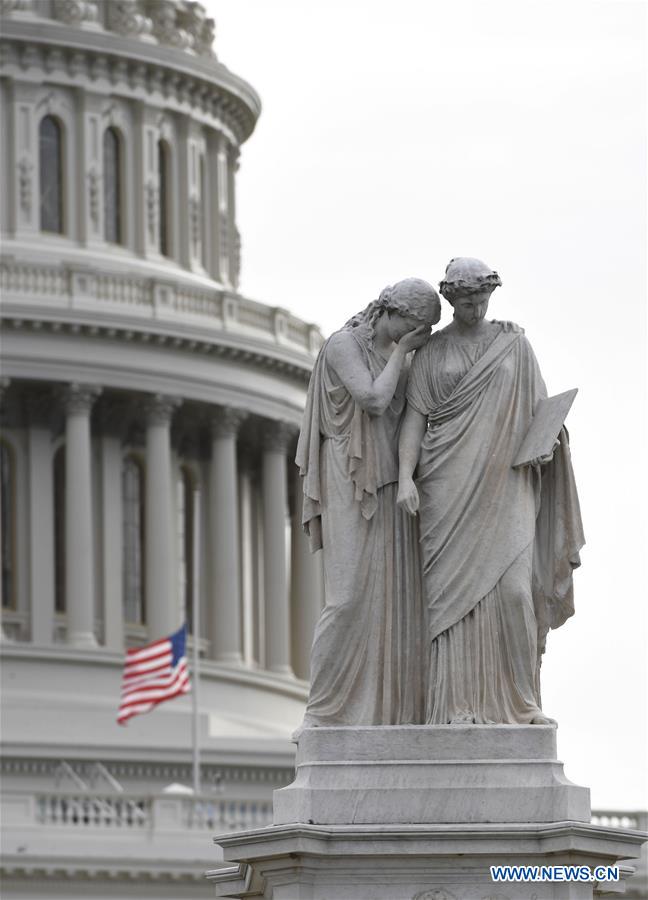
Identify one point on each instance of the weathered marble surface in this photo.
(430, 774)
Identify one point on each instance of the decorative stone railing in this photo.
(132, 812)
(182, 24)
(615, 819)
(49, 289)
(65, 809)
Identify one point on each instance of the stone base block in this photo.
(422, 813)
(439, 774)
(416, 862)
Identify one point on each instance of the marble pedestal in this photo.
(421, 813)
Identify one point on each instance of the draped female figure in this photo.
(366, 656)
(498, 544)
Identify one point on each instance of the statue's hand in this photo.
(415, 338)
(408, 496)
(543, 460)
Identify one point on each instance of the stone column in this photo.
(4, 384)
(306, 586)
(225, 550)
(246, 543)
(276, 439)
(113, 421)
(162, 601)
(40, 517)
(79, 532)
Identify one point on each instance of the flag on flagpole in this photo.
(153, 674)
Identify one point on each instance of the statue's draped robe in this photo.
(498, 544)
(366, 656)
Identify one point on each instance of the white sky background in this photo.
(396, 136)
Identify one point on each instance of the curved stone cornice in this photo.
(298, 370)
(107, 62)
(60, 869)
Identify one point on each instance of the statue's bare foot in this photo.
(463, 719)
(541, 719)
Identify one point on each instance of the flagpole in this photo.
(195, 614)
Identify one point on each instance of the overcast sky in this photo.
(395, 136)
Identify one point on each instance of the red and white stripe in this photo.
(149, 679)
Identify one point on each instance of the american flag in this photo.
(153, 674)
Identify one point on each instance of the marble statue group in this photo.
(445, 565)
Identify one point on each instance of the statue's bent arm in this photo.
(373, 396)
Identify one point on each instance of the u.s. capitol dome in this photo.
(135, 379)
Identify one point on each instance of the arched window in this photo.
(186, 486)
(164, 170)
(50, 137)
(59, 530)
(112, 182)
(8, 524)
(133, 540)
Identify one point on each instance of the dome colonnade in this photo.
(108, 565)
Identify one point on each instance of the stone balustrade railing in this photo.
(182, 24)
(615, 819)
(206, 812)
(139, 297)
(132, 812)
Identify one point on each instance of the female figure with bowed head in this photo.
(498, 544)
(365, 656)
